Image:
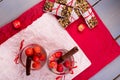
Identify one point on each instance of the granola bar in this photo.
(66, 2)
(57, 9)
(65, 21)
(90, 18)
(48, 6)
(92, 22)
(70, 14)
(83, 5)
(87, 13)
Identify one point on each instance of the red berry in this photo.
(36, 58)
(67, 64)
(29, 51)
(42, 57)
(37, 49)
(58, 54)
(53, 64)
(36, 65)
(16, 24)
(60, 68)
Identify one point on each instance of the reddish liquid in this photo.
(65, 68)
(23, 56)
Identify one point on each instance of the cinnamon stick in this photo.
(28, 65)
(68, 54)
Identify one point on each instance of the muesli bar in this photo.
(65, 21)
(57, 9)
(83, 5)
(90, 18)
(87, 13)
(74, 3)
(84, 9)
(66, 2)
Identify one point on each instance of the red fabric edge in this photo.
(26, 19)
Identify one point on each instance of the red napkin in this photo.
(98, 44)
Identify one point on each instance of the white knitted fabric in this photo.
(47, 32)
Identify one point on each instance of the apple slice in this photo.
(67, 64)
(36, 58)
(52, 58)
(29, 51)
(36, 65)
(52, 64)
(37, 49)
(58, 54)
(42, 57)
(60, 68)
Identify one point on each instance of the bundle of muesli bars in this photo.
(70, 10)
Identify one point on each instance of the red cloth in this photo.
(26, 19)
(98, 44)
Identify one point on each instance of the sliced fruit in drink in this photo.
(36, 65)
(29, 51)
